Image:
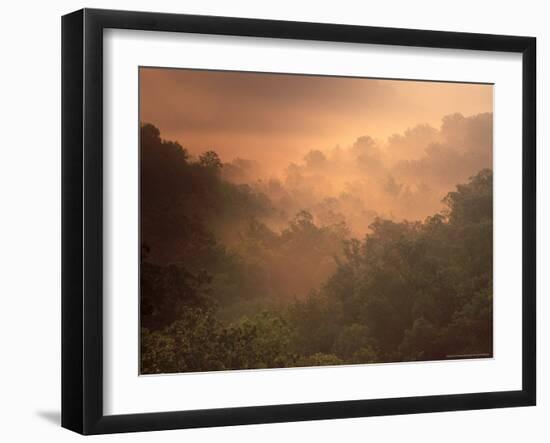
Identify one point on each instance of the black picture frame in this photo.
(82, 221)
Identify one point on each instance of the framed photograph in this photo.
(268, 221)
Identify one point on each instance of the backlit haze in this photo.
(344, 149)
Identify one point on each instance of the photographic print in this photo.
(291, 220)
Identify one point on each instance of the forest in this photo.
(242, 273)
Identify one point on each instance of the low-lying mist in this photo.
(380, 251)
(402, 178)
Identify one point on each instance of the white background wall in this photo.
(30, 219)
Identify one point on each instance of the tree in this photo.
(227, 291)
(210, 159)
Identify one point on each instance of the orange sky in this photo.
(278, 117)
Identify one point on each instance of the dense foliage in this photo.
(222, 290)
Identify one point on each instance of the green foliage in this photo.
(354, 341)
(319, 359)
(272, 259)
(197, 341)
(166, 289)
(260, 342)
(424, 290)
(317, 321)
(305, 295)
(182, 202)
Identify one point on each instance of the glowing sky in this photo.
(278, 117)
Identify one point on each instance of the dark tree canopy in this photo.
(220, 289)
